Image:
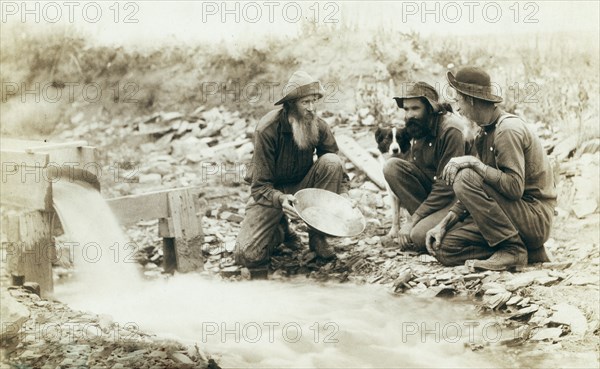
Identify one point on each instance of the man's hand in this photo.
(404, 235)
(434, 237)
(455, 165)
(286, 205)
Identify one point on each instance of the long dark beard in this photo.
(305, 130)
(416, 128)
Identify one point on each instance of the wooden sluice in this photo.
(29, 169)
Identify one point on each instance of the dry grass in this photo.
(552, 80)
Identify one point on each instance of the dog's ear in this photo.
(379, 134)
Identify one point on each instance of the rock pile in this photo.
(58, 337)
(192, 149)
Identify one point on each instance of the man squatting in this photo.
(506, 195)
(284, 144)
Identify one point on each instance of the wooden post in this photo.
(182, 231)
(179, 224)
(31, 248)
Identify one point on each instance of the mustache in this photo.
(416, 128)
(414, 122)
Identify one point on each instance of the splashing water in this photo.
(295, 323)
(102, 254)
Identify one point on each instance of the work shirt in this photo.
(277, 159)
(524, 171)
(449, 137)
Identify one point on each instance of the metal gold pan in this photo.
(329, 212)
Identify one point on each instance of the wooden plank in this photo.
(361, 159)
(32, 254)
(10, 226)
(147, 206)
(136, 208)
(54, 146)
(187, 231)
(29, 183)
(79, 158)
(18, 144)
(76, 153)
(182, 211)
(15, 157)
(26, 187)
(165, 228)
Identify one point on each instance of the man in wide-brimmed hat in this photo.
(437, 136)
(284, 144)
(506, 194)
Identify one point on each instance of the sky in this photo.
(156, 22)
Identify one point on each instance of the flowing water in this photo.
(293, 324)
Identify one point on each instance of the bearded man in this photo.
(285, 142)
(416, 179)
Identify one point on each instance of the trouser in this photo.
(262, 229)
(412, 187)
(493, 220)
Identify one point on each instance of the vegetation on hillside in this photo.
(50, 77)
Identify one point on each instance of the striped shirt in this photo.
(278, 160)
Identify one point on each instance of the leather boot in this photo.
(539, 255)
(318, 243)
(291, 239)
(510, 256)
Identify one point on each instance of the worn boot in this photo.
(510, 256)
(291, 239)
(539, 255)
(318, 243)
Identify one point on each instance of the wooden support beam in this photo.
(29, 168)
(187, 231)
(16, 157)
(147, 206)
(361, 159)
(55, 146)
(136, 208)
(26, 187)
(179, 223)
(31, 248)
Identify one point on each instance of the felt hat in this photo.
(416, 90)
(474, 82)
(301, 84)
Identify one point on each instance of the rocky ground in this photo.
(555, 304)
(56, 336)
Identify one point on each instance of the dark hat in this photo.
(474, 82)
(300, 85)
(416, 90)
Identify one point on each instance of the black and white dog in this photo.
(393, 142)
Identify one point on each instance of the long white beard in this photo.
(305, 132)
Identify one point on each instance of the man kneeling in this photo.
(284, 143)
(437, 136)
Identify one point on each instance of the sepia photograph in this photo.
(299, 184)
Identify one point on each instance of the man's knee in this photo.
(330, 162)
(449, 249)
(466, 181)
(255, 242)
(252, 253)
(395, 168)
(445, 258)
(418, 233)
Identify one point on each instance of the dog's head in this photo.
(392, 141)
